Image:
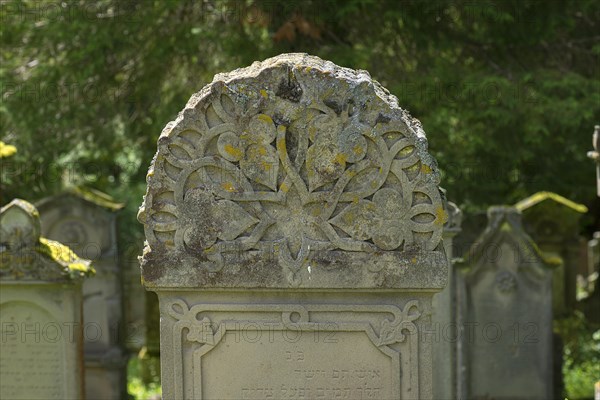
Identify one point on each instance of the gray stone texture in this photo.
(444, 316)
(552, 221)
(40, 310)
(85, 220)
(505, 294)
(294, 237)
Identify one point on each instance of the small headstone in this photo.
(294, 223)
(553, 223)
(40, 310)
(85, 220)
(506, 313)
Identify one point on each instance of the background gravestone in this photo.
(444, 329)
(506, 311)
(553, 223)
(85, 220)
(40, 310)
(294, 222)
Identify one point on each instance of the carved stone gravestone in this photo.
(553, 223)
(294, 223)
(506, 314)
(85, 220)
(40, 310)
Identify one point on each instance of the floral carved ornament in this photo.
(262, 172)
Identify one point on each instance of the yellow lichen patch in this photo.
(77, 266)
(64, 256)
(441, 216)
(228, 186)
(413, 260)
(265, 118)
(406, 151)
(355, 200)
(210, 251)
(262, 151)
(340, 159)
(542, 196)
(265, 166)
(284, 188)
(281, 146)
(264, 94)
(357, 150)
(426, 169)
(234, 151)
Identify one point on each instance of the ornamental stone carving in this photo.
(287, 160)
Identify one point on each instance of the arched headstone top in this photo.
(292, 162)
(24, 255)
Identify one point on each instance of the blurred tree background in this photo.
(508, 91)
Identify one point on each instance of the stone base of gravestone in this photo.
(314, 345)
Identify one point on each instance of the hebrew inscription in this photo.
(294, 351)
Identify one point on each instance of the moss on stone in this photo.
(65, 257)
(543, 196)
(97, 197)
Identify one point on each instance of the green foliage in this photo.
(136, 387)
(581, 363)
(507, 91)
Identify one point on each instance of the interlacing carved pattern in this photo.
(290, 179)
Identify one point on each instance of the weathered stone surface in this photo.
(286, 173)
(85, 220)
(444, 326)
(552, 221)
(505, 293)
(24, 255)
(293, 223)
(40, 310)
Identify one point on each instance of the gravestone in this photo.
(294, 223)
(40, 310)
(505, 296)
(553, 223)
(444, 330)
(85, 220)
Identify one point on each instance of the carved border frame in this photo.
(401, 329)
